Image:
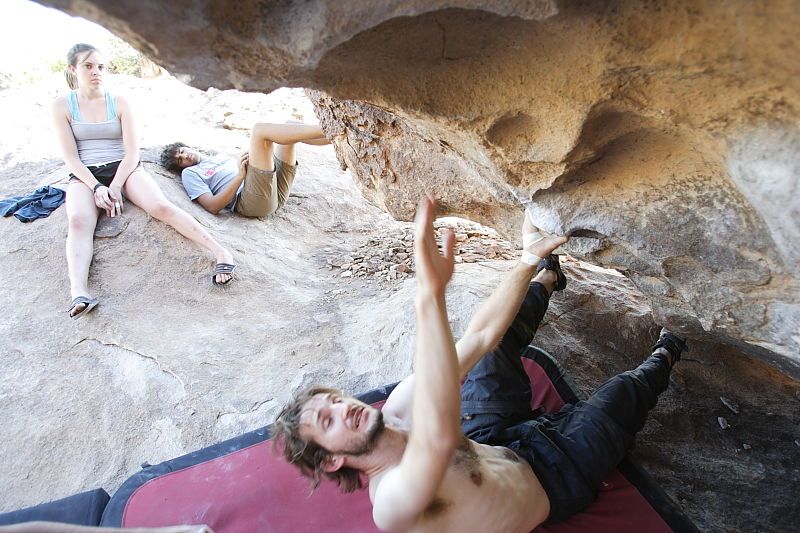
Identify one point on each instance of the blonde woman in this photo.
(97, 135)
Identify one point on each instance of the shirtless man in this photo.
(446, 457)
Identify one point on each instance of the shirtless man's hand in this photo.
(434, 270)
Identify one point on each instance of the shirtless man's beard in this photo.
(370, 438)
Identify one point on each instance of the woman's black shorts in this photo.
(104, 173)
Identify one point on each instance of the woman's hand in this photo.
(115, 193)
(102, 199)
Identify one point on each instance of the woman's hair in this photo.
(72, 61)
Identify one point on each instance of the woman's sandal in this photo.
(223, 268)
(89, 304)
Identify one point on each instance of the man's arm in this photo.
(408, 489)
(214, 203)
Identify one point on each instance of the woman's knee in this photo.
(162, 210)
(81, 222)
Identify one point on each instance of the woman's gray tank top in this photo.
(98, 142)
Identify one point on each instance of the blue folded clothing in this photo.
(37, 204)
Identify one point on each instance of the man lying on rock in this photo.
(442, 456)
(254, 185)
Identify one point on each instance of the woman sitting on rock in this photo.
(97, 134)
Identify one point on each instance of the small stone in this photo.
(729, 404)
(402, 256)
(459, 259)
(722, 422)
(391, 275)
(402, 268)
(346, 266)
(746, 446)
(408, 238)
(797, 443)
(347, 274)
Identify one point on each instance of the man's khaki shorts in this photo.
(265, 191)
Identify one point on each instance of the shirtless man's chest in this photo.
(486, 489)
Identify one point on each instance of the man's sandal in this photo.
(672, 343)
(548, 263)
(88, 303)
(223, 268)
(552, 263)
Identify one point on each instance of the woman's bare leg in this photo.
(143, 191)
(82, 219)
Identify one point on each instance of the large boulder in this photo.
(664, 135)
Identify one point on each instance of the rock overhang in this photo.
(663, 136)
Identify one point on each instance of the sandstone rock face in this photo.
(664, 135)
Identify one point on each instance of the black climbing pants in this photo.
(570, 451)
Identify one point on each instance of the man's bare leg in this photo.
(494, 317)
(265, 134)
(321, 141)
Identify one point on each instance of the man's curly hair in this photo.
(169, 156)
(307, 455)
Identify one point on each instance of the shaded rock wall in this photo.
(665, 135)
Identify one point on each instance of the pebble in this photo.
(722, 422)
(729, 404)
(347, 274)
(746, 446)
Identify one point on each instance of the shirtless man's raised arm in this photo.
(409, 488)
